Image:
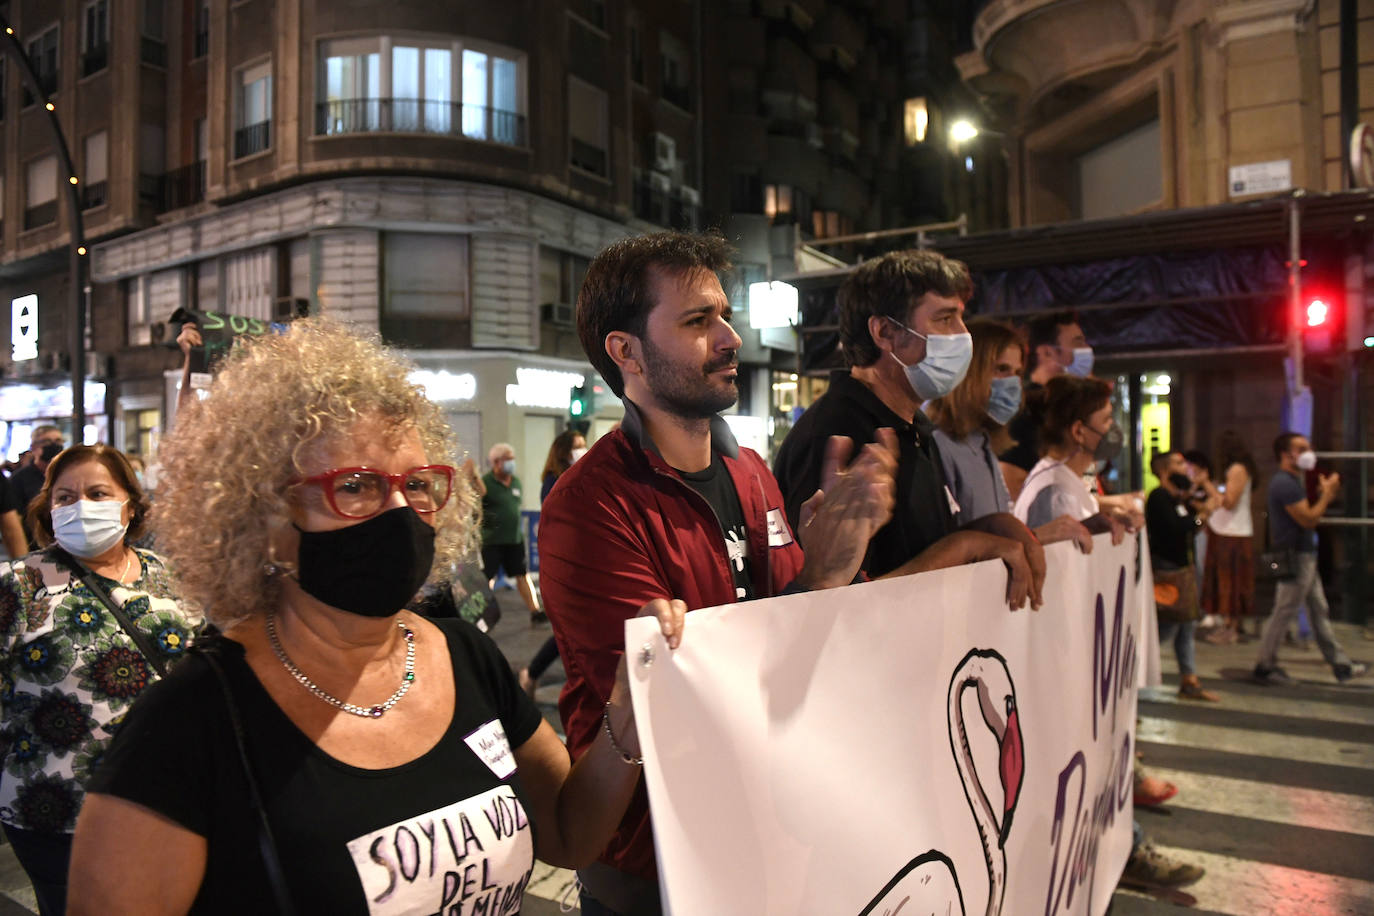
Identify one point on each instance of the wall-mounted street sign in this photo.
(1260, 177)
(24, 328)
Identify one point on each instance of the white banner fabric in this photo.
(908, 746)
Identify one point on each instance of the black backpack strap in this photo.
(267, 846)
(145, 646)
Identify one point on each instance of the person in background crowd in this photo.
(358, 723)
(970, 431)
(11, 522)
(1293, 520)
(567, 447)
(503, 543)
(45, 443)
(72, 667)
(1228, 573)
(672, 506)
(1173, 513)
(903, 335)
(1057, 346)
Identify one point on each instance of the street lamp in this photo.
(962, 131)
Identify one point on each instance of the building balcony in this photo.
(95, 59)
(252, 139)
(153, 51)
(40, 215)
(681, 96)
(183, 187)
(423, 116)
(589, 158)
(94, 195)
(675, 208)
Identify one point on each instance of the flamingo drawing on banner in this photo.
(928, 885)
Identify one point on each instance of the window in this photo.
(254, 121)
(588, 127)
(153, 44)
(636, 55)
(201, 46)
(43, 55)
(136, 310)
(424, 288)
(1102, 193)
(95, 37)
(916, 121)
(673, 57)
(96, 160)
(40, 192)
(427, 86)
(152, 163)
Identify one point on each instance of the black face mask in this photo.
(1108, 443)
(1181, 482)
(372, 568)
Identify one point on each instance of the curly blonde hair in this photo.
(229, 462)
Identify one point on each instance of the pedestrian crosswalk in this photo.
(1276, 788)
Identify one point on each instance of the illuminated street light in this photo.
(962, 130)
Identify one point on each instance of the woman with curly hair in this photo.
(68, 667)
(331, 752)
(1228, 578)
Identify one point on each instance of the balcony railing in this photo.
(252, 139)
(183, 187)
(41, 215)
(681, 96)
(153, 51)
(666, 208)
(150, 191)
(94, 195)
(588, 158)
(95, 58)
(422, 116)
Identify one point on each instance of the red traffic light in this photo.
(1318, 313)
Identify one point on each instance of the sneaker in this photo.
(1346, 672)
(1273, 677)
(1190, 688)
(1149, 867)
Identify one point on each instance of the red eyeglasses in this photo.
(363, 492)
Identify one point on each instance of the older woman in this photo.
(970, 429)
(70, 666)
(373, 761)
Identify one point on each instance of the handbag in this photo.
(1178, 588)
(140, 638)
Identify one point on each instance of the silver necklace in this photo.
(367, 712)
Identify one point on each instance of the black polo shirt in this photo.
(922, 512)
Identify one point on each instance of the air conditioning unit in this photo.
(665, 153)
(690, 195)
(563, 314)
(661, 183)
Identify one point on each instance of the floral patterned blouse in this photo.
(68, 673)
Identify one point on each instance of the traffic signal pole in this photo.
(1295, 310)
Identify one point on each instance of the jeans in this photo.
(1185, 648)
(1304, 588)
(44, 857)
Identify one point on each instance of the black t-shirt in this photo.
(716, 487)
(449, 826)
(9, 496)
(1171, 523)
(1025, 429)
(922, 514)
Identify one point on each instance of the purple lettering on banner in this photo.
(376, 852)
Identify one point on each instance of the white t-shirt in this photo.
(1052, 490)
(1237, 522)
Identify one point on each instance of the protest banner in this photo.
(907, 746)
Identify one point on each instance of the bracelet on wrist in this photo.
(615, 745)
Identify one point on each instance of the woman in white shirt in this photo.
(1078, 431)
(1228, 577)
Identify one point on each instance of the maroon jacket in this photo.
(619, 529)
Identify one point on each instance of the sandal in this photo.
(1190, 688)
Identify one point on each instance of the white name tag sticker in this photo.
(1182, 512)
(490, 745)
(778, 533)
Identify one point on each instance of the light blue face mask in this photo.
(508, 465)
(1005, 400)
(947, 359)
(1082, 365)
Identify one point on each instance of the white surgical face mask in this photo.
(1005, 399)
(508, 465)
(89, 527)
(1307, 460)
(1082, 364)
(577, 454)
(946, 361)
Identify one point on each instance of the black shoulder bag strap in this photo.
(150, 653)
(267, 846)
